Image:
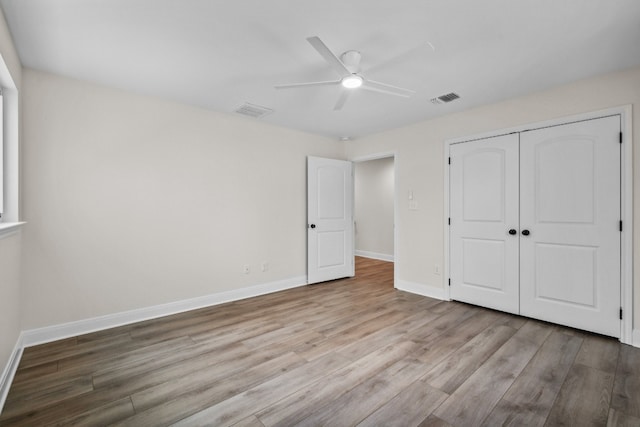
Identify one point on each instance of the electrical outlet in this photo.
(436, 269)
(413, 205)
(246, 269)
(265, 266)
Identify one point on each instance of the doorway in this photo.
(374, 208)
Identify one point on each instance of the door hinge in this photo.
(449, 220)
(449, 160)
(449, 281)
(620, 225)
(620, 313)
(620, 137)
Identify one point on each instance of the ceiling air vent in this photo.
(252, 110)
(443, 99)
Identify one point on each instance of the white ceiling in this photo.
(220, 54)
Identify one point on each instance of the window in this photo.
(1, 157)
(9, 158)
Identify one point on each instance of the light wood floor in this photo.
(348, 352)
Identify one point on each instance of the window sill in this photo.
(8, 228)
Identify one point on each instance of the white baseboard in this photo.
(10, 371)
(421, 289)
(636, 338)
(374, 255)
(56, 332)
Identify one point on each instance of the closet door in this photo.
(484, 208)
(569, 225)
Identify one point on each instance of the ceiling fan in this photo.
(348, 68)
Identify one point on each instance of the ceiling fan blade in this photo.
(387, 89)
(342, 100)
(328, 56)
(309, 84)
(386, 86)
(422, 51)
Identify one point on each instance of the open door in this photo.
(330, 247)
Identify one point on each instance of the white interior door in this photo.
(484, 209)
(570, 206)
(329, 219)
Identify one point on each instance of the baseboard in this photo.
(56, 332)
(374, 255)
(421, 289)
(636, 338)
(10, 371)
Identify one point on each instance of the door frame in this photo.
(384, 155)
(626, 204)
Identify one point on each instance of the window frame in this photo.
(10, 148)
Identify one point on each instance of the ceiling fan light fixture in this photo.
(352, 82)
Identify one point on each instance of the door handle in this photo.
(513, 231)
(312, 226)
(525, 232)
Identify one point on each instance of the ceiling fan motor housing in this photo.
(351, 60)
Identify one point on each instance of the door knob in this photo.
(512, 231)
(525, 232)
(312, 226)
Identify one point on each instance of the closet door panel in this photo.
(570, 204)
(484, 207)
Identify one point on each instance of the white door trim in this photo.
(396, 225)
(626, 179)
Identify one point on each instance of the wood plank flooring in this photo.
(348, 352)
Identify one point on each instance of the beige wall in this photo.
(9, 295)
(373, 202)
(133, 201)
(420, 165)
(10, 245)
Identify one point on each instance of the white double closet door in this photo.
(535, 220)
